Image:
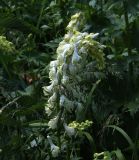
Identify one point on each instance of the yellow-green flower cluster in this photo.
(81, 126)
(76, 22)
(6, 46)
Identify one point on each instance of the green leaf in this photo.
(129, 140)
(119, 154)
(91, 140)
(38, 125)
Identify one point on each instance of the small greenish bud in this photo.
(81, 126)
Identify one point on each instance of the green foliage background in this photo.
(30, 31)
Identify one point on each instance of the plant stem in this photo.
(127, 26)
(128, 39)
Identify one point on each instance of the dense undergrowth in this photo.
(90, 109)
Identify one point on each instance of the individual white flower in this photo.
(55, 81)
(84, 34)
(33, 143)
(94, 35)
(47, 89)
(66, 103)
(52, 73)
(62, 100)
(62, 52)
(69, 130)
(78, 38)
(55, 150)
(68, 36)
(62, 57)
(71, 25)
(65, 79)
(82, 50)
(48, 111)
(75, 56)
(53, 123)
(102, 46)
(53, 64)
(53, 98)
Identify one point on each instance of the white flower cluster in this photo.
(74, 53)
(77, 54)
